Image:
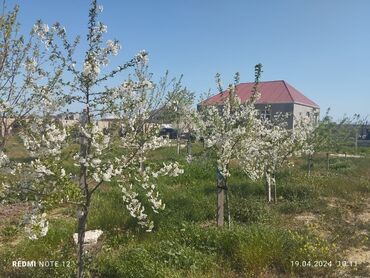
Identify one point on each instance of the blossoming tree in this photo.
(96, 163)
(224, 127)
(190, 124)
(180, 108)
(274, 146)
(335, 137)
(30, 81)
(27, 76)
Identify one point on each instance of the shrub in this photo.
(255, 249)
(57, 245)
(249, 210)
(135, 262)
(182, 257)
(296, 192)
(9, 231)
(107, 210)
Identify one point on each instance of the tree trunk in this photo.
(4, 135)
(220, 199)
(188, 146)
(83, 211)
(268, 186)
(82, 220)
(178, 143)
(2, 145)
(274, 183)
(327, 162)
(227, 205)
(309, 164)
(141, 161)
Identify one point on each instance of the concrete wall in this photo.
(279, 108)
(302, 111)
(69, 123)
(8, 122)
(101, 124)
(294, 110)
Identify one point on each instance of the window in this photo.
(266, 113)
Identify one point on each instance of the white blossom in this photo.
(275, 146)
(91, 69)
(224, 128)
(4, 106)
(113, 47)
(36, 224)
(3, 159)
(143, 57)
(131, 102)
(31, 64)
(41, 29)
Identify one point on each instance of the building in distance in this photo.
(276, 97)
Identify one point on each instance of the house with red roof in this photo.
(276, 97)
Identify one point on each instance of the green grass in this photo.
(15, 149)
(57, 245)
(262, 241)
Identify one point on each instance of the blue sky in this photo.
(320, 47)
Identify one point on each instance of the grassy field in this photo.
(319, 228)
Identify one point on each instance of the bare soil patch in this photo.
(12, 212)
(359, 256)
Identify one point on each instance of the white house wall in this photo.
(278, 108)
(302, 111)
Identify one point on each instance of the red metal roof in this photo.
(271, 92)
